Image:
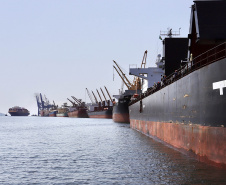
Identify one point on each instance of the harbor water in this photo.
(42, 150)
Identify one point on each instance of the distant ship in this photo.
(62, 112)
(102, 109)
(100, 112)
(52, 113)
(78, 109)
(81, 112)
(18, 111)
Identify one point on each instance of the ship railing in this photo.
(215, 54)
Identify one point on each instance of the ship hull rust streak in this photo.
(207, 144)
(188, 114)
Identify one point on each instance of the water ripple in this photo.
(36, 150)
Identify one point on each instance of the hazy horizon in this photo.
(60, 48)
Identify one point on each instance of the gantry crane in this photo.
(43, 104)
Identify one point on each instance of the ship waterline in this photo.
(187, 114)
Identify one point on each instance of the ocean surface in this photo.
(38, 150)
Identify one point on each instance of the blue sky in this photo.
(61, 47)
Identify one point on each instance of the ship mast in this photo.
(169, 33)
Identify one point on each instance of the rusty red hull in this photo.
(188, 114)
(121, 117)
(81, 113)
(101, 116)
(204, 142)
(73, 114)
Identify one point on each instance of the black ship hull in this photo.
(101, 114)
(188, 114)
(121, 110)
(18, 114)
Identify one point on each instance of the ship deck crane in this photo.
(76, 100)
(131, 86)
(95, 97)
(109, 95)
(90, 97)
(99, 96)
(104, 96)
(143, 63)
(122, 75)
(73, 103)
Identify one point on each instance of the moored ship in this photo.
(100, 112)
(120, 113)
(62, 112)
(78, 109)
(78, 113)
(102, 109)
(121, 110)
(187, 110)
(18, 111)
(52, 113)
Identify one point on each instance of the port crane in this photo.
(43, 103)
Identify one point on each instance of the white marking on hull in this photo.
(219, 85)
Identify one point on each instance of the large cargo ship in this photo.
(120, 113)
(18, 111)
(100, 111)
(121, 109)
(105, 113)
(187, 111)
(78, 109)
(79, 112)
